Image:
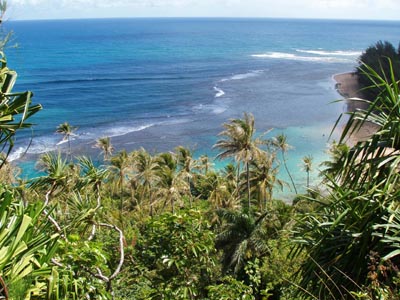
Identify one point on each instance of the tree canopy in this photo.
(384, 59)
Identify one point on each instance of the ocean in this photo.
(160, 83)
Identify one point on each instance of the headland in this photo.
(347, 86)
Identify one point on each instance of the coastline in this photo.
(347, 86)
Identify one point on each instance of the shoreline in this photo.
(347, 86)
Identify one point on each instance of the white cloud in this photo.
(27, 2)
(388, 4)
(342, 4)
(354, 4)
(101, 3)
(375, 9)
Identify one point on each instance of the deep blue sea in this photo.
(160, 83)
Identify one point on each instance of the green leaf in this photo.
(21, 269)
(26, 222)
(391, 254)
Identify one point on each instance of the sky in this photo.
(320, 9)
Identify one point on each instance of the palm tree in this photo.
(229, 175)
(205, 164)
(104, 144)
(280, 142)
(92, 175)
(67, 131)
(57, 174)
(242, 238)
(120, 163)
(263, 178)
(239, 143)
(146, 175)
(171, 183)
(186, 164)
(223, 191)
(333, 167)
(307, 166)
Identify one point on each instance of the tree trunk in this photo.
(121, 198)
(238, 178)
(151, 204)
(248, 185)
(287, 170)
(190, 194)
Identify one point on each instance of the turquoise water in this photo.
(159, 83)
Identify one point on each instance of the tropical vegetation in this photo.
(384, 59)
(143, 225)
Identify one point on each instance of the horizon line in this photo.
(201, 17)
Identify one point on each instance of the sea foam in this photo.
(241, 76)
(122, 130)
(219, 93)
(39, 145)
(17, 153)
(330, 53)
(291, 56)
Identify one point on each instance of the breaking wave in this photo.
(291, 56)
(242, 76)
(330, 53)
(219, 92)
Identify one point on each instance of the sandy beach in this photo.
(347, 87)
(347, 84)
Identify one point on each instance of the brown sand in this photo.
(347, 87)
